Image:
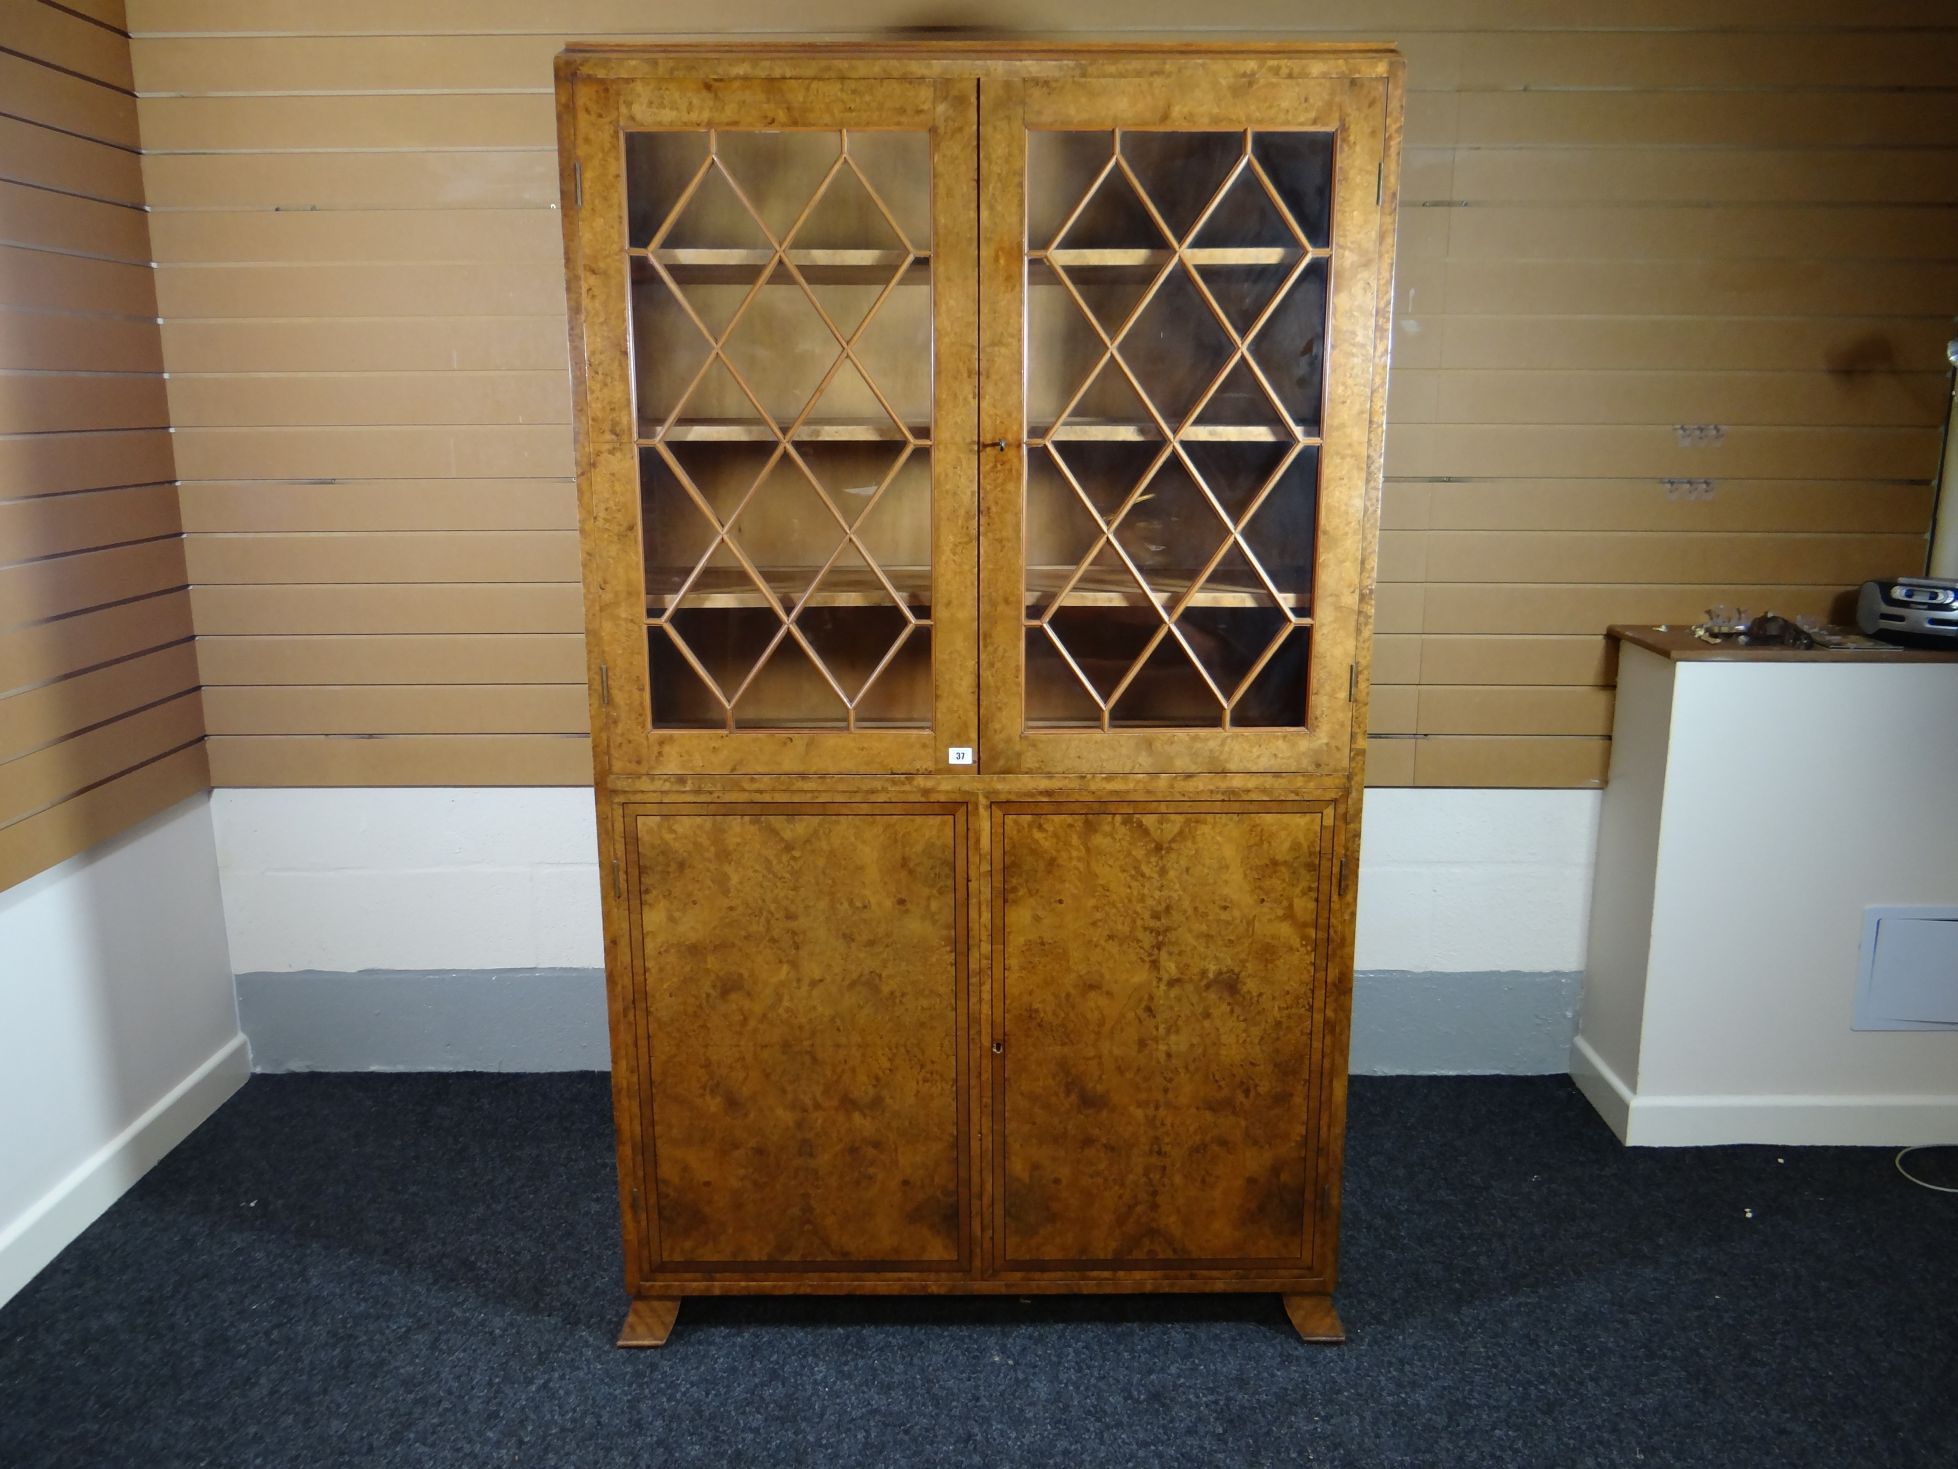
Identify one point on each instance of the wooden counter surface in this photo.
(1676, 642)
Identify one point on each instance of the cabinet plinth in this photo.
(979, 457)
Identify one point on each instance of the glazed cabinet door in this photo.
(1183, 275)
(774, 279)
(1161, 1088)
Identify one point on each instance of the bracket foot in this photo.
(1315, 1320)
(649, 1321)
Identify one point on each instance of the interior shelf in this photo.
(1195, 254)
(818, 267)
(1116, 588)
(747, 431)
(730, 586)
(1103, 431)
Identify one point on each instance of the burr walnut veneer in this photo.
(979, 458)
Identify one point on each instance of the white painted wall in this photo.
(1462, 881)
(1794, 794)
(118, 1030)
(497, 878)
(398, 878)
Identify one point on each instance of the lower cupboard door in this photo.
(1157, 1083)
(802, 986)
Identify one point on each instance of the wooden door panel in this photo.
(803, 973)
(1157, 968)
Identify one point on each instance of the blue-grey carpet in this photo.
(422, 1270)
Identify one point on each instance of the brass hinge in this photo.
(1342, 874)
(1352, 682)
(604, 685)
(618, 879)
(578, 183)
(1379, 183)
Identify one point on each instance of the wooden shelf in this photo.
(1098, 588)
(1095, 431)
(730, 586)
(746, 431)
(818, 267)
(1156, 259)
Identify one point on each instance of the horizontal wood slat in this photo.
(1674, 288)
(61, 341)
(55, 464)
(1882, 398)
(43, 219)
(1438, 557)
(496, 607)
(39, 93)
(1437, 62)
(1839, 345)
(55, 525)
(542, 452)
(372, 344)
(358, 290)
(34, 653)
(628, 18)
(1657, 505)
(472, 178)
(364, 557)
(42, 716)
(33, 154)
(55, 772)
(1679, 287)
(405, 760)
(65, 584)
(467, 658)
(358, 236)
(366, 709)
(52, 34)
(1583, 177)
(49, 403)
(1505, 607)
(397, 123)
(1534, 451)
(381, 505)
(228, 401)
(42, 280)
(55, 835)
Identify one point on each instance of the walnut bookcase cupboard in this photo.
(979, 457)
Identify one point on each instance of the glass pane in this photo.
(1056, 696)
(899, 696)
(1300, 167)
(1176, 286)
(782, 351)
(1291, 347)
(1171, 531)
(659, 168)
(789, 691)
(778, 172)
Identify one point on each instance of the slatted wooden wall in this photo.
(1676, 276)
(100, 720)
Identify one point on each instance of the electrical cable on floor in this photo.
(1934, 1187)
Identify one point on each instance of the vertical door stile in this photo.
(1002, 389)
(955, 458)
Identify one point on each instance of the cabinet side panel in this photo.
(1159, 967)
(803, 971)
